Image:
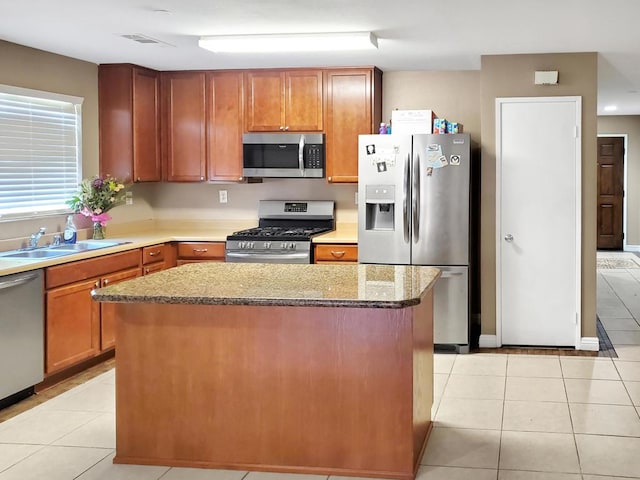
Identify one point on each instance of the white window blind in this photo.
(40, 151)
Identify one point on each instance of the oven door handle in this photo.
(268, 258)
(301, 155)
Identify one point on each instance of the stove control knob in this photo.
(251, 245)
(267, 245)
(283, 246)
(292, 246)
(241, 244)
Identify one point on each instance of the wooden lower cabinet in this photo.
(73, 324)
(107, 313)
(191, 252)
(158, 257)
(336, 253)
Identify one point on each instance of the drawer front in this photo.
(152, 268)
(153, 254)
(201, 250)
(336, 253)
(93, 267)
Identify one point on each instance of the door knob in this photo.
(508, 237)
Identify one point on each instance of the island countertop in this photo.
(371, 286)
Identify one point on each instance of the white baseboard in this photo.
(632, 248)
(488, 341)
(591, 344)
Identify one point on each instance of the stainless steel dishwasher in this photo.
(21, 334)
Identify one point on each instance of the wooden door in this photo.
(538, 221)
(303, 101)
(351, 97)
(184, 119)
(264, 102)
(224, 125)
(107, 310)
(73, 325)
(146, 126)
(610, 192)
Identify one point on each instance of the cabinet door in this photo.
(224, 125)
(184, 132)
(264, 104)
(303, 101)
(73, 325)
(107, 310)
(146, 126)
(353, 107)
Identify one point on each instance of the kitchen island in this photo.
(324, 369)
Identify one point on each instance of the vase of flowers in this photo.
(95, 198)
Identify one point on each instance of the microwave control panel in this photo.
(314, 157)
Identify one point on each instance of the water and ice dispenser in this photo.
(380, 201)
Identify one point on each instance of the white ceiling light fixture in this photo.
(290, 42)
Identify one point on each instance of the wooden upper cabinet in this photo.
(225, 115)
(184, 120)
(128, 98)
(353, 106)
(283, 100)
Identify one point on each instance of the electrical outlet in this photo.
(128, 198)
(222, 196)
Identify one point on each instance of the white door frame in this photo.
(625, 247)
(578, 219)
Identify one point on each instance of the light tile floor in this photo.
(496, 416)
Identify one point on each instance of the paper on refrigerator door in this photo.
(435, 157)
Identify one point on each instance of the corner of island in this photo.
(319, 369)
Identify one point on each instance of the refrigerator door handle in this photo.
(415, 196)
(405, 199)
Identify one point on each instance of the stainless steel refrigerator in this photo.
(413, 208)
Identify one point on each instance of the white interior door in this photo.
(538, 220)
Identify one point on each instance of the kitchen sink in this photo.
(60, 250)
(88, 245)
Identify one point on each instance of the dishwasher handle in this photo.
(15, 282)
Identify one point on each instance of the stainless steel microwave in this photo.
(283, 155)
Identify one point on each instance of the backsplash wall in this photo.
(193, 201)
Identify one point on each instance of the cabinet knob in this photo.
(281, 127)
(97, 284)
(146, 271)
(105, 281)
(287, 127)
(201, 178)
(153, 254)
(138, 179)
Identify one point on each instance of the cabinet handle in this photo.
(338, 254)
(153, 254)
(105, 281)
(97, 284)
(281, 127)
(139, 179)
(146, 271)
(287, 127)
(200, 250)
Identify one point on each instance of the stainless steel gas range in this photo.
(284, 232)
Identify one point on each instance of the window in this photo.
(40, 151)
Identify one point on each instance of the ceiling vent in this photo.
(136, 37)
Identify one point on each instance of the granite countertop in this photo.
(369, 286)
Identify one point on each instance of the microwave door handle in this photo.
(301, 155)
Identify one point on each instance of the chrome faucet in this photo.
(33, 240)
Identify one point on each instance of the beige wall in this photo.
(30, 68)
(629, 125)
(454, 95)
(512, 76)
